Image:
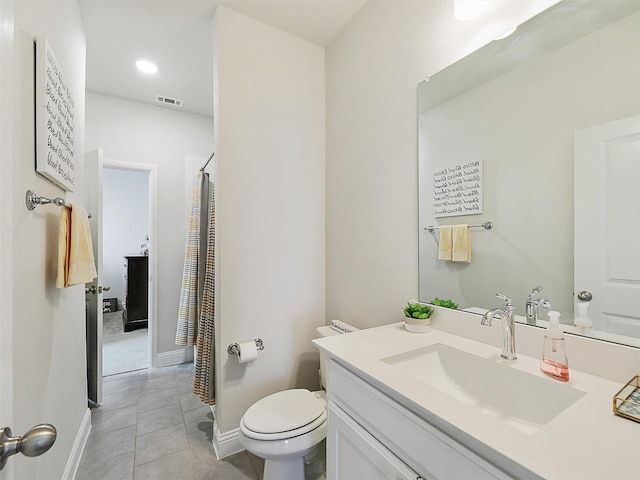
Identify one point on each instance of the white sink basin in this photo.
(522, 400)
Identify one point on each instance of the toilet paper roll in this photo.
(248, 352)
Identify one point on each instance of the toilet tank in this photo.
(336, 327)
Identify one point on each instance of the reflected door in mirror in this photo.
(607, 225)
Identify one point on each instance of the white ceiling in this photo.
(177, 36)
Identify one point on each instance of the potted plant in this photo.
(444, 303)
(417, 317)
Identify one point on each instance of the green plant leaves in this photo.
(415, 310)
(444, 303)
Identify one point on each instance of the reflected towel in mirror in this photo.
(455, 243)
(461, 244)
(445, 248)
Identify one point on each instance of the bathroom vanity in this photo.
(373, 436)
(442, 405)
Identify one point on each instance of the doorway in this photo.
(125, 260)
(127, 266)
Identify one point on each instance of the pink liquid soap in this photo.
(557, 370)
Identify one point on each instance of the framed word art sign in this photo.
(54, 120)
(457, 190)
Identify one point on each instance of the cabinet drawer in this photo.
(421, 446)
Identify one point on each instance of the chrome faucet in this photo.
(533, 304)
(507, 314)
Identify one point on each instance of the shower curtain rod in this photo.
(205, 165)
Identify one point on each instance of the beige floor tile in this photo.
(157, 372)
(199, 418)
(108, 445)
(153, 400)
(159, 418)
(176, 466)
(117, 468)
(235, 467)
(155, 384)
(124, 384)
(151, 426)
(109, 420)
(190, 401)
(164, 441)
(118, 400)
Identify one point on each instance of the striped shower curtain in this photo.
(189, 306)
(204, 371)
(196, 308)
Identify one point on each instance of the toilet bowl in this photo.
(286, 426)
(283, 428)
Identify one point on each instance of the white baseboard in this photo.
(174, 357)
(78, 447)
(225, 443)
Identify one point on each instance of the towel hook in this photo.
(32, 200)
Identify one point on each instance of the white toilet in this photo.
(285, 427)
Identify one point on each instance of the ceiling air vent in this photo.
(169, 101)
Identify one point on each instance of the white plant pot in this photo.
(416, 325)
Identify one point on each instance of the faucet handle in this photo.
(507, 300)
(535, 291)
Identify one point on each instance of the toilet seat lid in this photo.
(283, 411)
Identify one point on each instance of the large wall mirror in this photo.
(552, 116)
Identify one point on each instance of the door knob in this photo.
(94, 289)
(585, 296)
(35, 442)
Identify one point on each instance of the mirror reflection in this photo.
(516, 108)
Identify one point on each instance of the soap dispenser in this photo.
(554, 352)
(582, 323)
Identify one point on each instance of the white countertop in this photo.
(586, 441)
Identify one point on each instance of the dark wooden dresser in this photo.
(136, 312)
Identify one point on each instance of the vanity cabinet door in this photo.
(358, 455)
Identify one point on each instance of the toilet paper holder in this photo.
(234, 348)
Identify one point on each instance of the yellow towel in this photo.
(75, 248)
(446, 244)
(461, 240)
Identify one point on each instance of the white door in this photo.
(607, 223)
(93, 167)
(6, 218)
(37, 440)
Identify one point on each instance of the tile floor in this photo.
(151, 427)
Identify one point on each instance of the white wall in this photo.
(49, 358)
(373, 68)
(135, 132)
(125, 222)
(270, 238)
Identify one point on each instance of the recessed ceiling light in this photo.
(146, 66)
